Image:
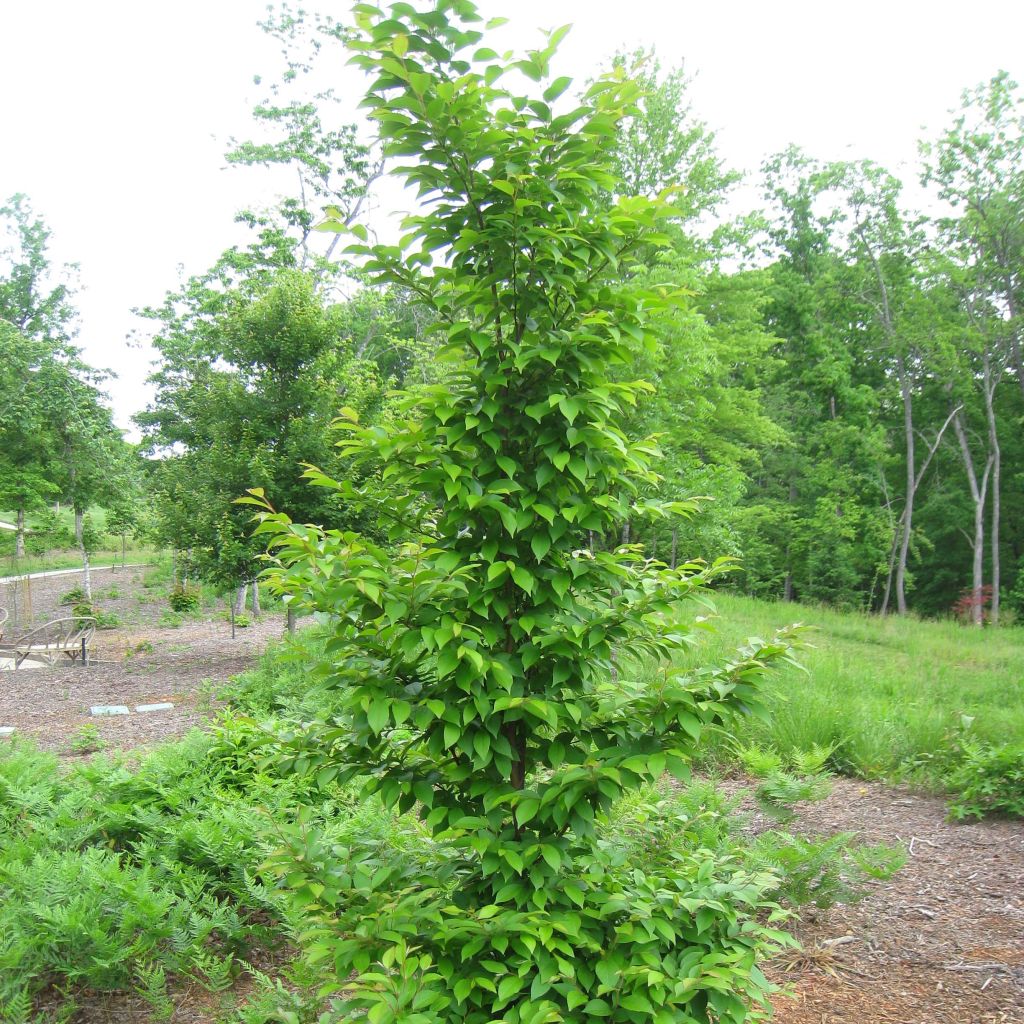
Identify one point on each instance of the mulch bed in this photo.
(941, 943)
(140, 662)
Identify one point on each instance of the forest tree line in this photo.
(845, 385)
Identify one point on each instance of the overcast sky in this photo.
(115, 114)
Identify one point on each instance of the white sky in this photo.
(115, 114)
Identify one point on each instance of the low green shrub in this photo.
(823, 870)
(86, 740)
(183, 599)
(987, 780)
(76, 595)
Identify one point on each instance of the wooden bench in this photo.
(68, 637)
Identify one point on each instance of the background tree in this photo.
(978, 168)
(248, 400)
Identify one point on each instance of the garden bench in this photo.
(68, 637)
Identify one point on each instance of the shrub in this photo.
(86, 739)
(184, 599)
(987, 780)
(106, 620)
(84, 609)
(74, 596)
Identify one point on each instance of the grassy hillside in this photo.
(58, 540)
(893, 695)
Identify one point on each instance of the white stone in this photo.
(108, 709)
(6, 730)
(154, 707)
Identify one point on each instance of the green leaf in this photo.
(524, 580)
(540, 543)
(556, 88)
(377, 716)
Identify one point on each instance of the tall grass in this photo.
(894, 696)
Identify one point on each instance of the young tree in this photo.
(30, 300)
(474, 658)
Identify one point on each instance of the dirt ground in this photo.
(140, 662)
(941, 943)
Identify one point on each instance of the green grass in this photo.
(64, 555)
(137, 554)
(893, 695)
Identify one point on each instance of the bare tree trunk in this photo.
(787, 586)
(994, 540)
(908, 507)
(240, 594)
(19, 536)
(979, 490)
(255, 588)
(625, 532)
(78, 526)
(86, 575)
(675, 546)
(995, 454)
(291, 618)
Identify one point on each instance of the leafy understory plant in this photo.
(473, 653)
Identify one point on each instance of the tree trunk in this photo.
(291, 619)
(979, 490)
(239, 604)
(787, 586)
(996, 456)
(79, 514)
(625, 532)
(675, 545)
(994, 540)
(908, 507)
(86, 575)
(255, 599)
(19, 536)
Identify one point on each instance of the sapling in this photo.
(473, 652)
